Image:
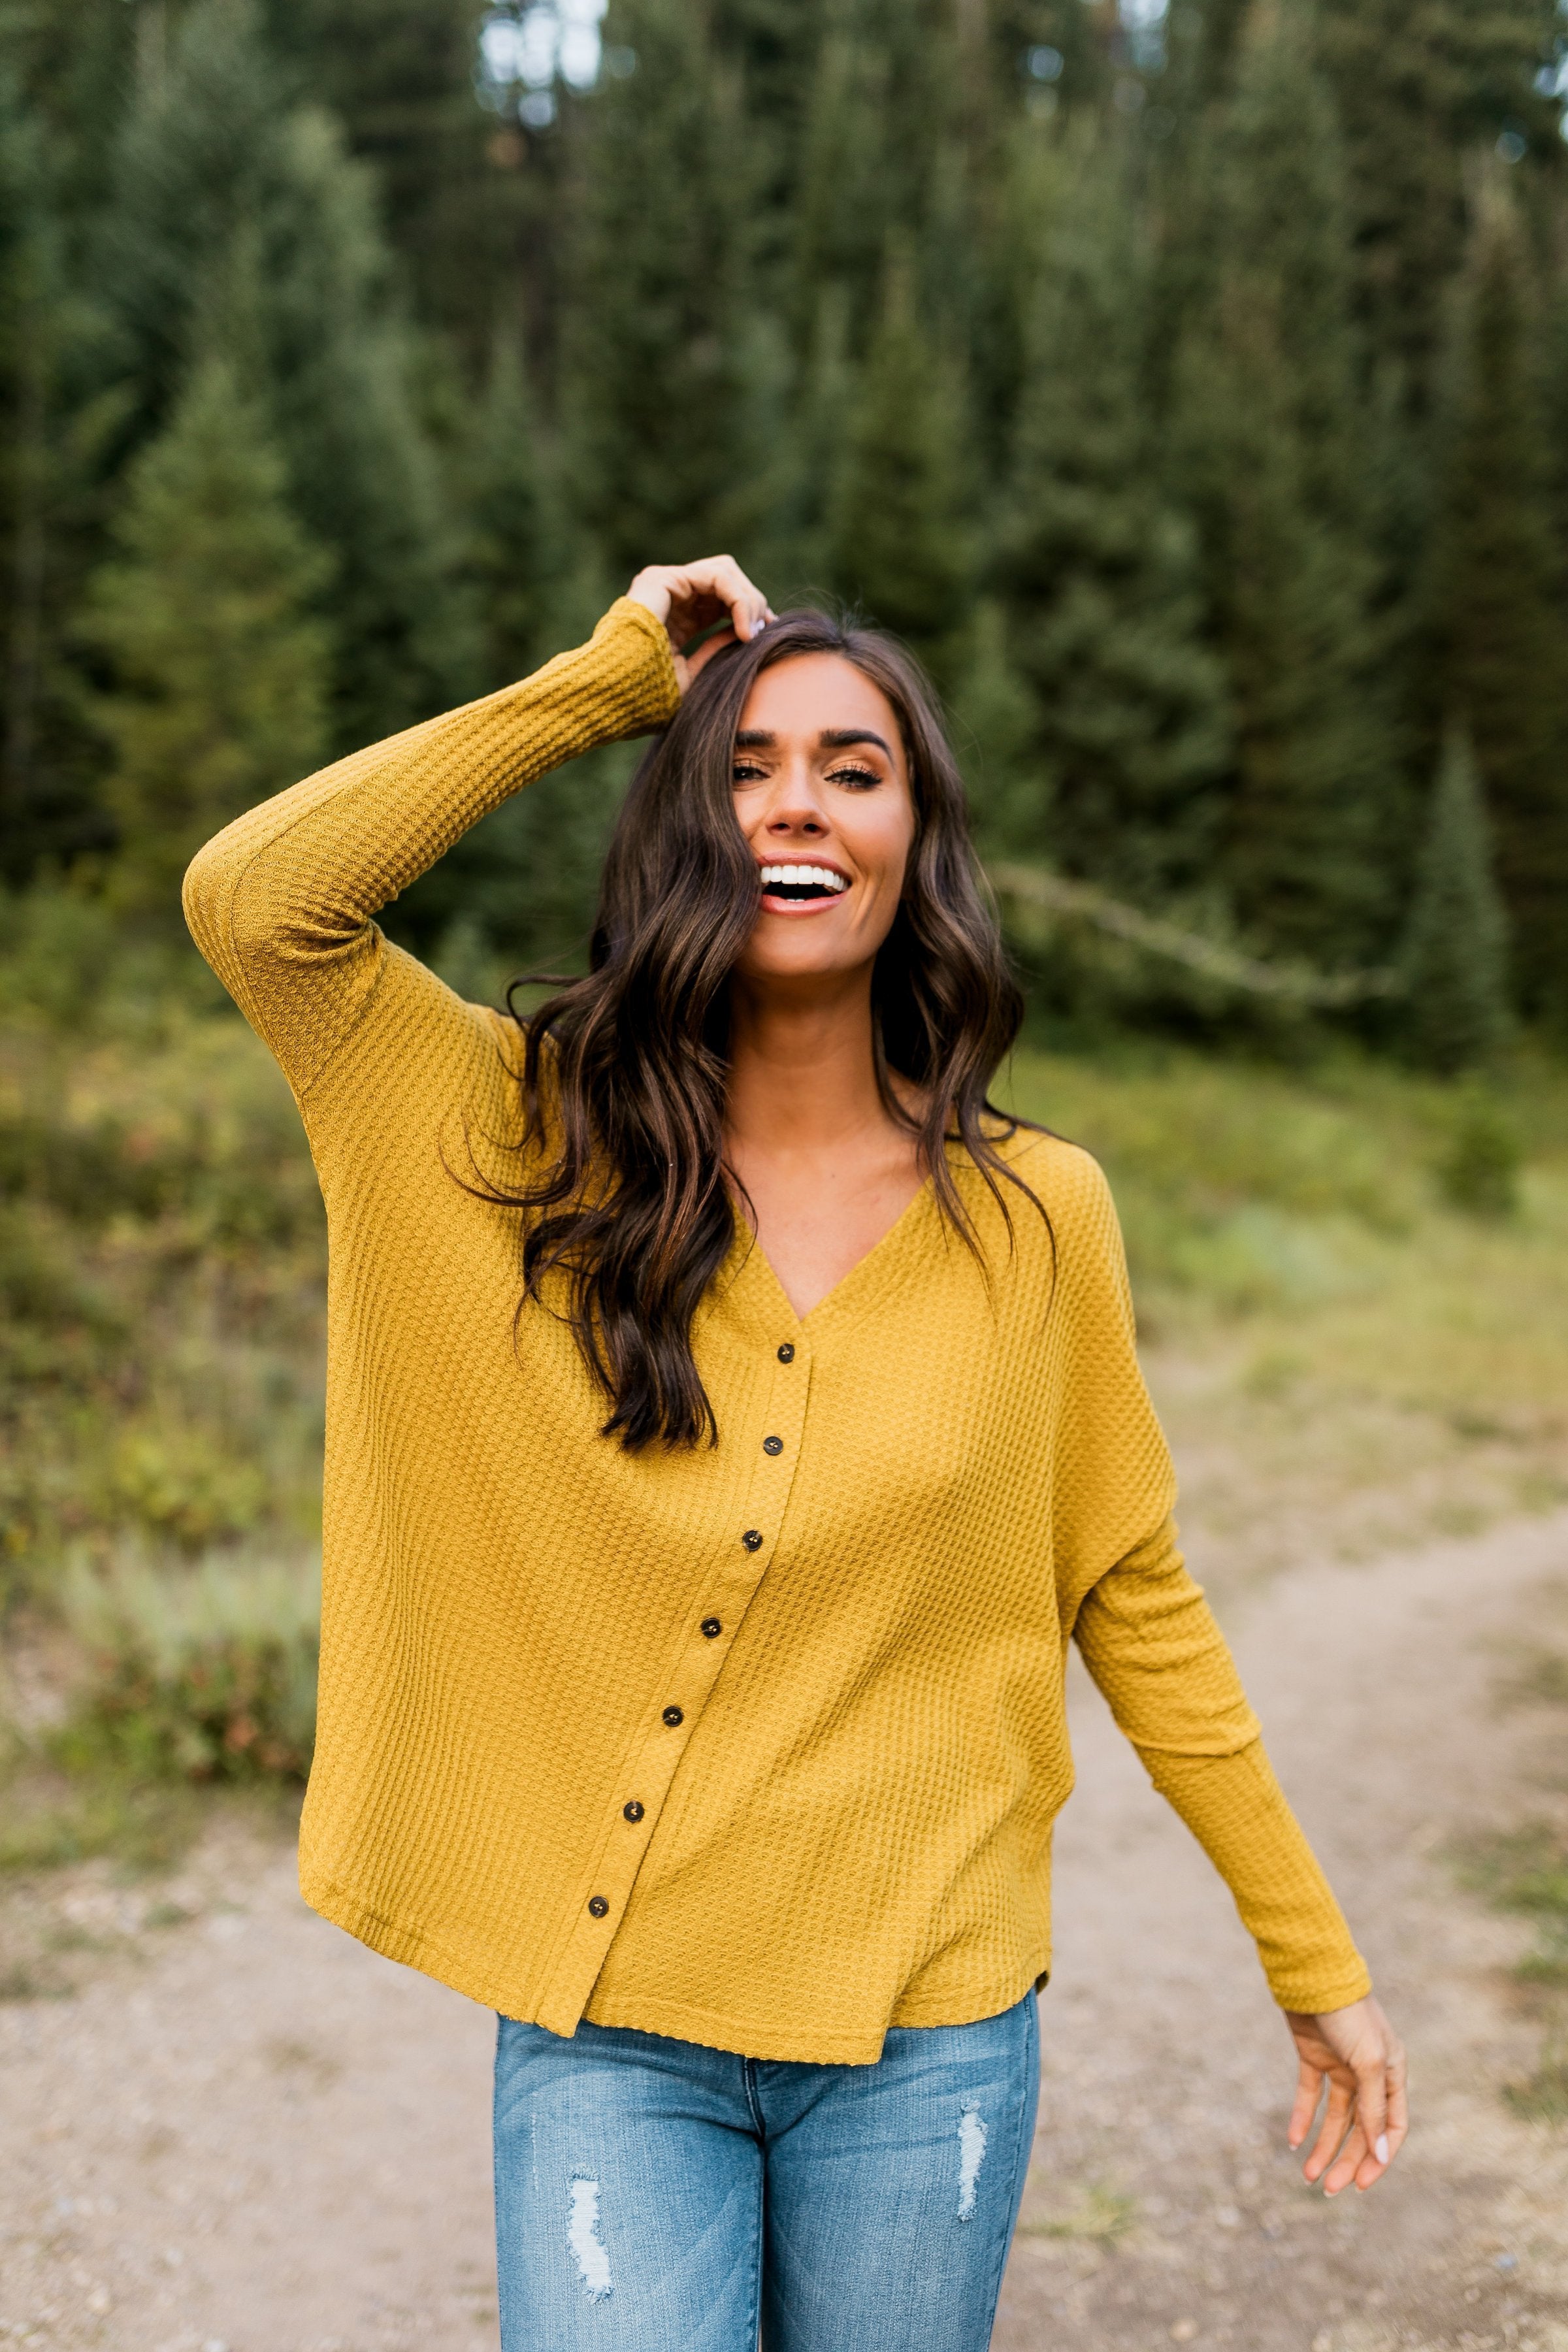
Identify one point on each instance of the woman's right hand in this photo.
(692, 597)
(1356, 2055)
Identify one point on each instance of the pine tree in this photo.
(1499, 642)
(995, 723)
(517, 552)
(33, 822)
(1269, 427)
(204, 614)
(398, 76)
(224, 194)
(522, 882)
(653, 380)
(899, 542)
(1454, 958)
(1421, 85)
(879, 117)
(1128, 733)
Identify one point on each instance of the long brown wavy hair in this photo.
(625, 1071)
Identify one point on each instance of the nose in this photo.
(794, 809)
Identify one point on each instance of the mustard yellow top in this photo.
(758, 1745)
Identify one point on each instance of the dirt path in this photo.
(242, 2132)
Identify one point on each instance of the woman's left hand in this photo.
(1358, 2054)
(691, 599)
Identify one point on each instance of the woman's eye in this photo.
(855, 780)
(743, 772)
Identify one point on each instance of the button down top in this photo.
(855, 1830)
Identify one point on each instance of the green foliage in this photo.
(1098, 358)
(1455, 958)
(654, 373)
(161, 1259)
(398, 76)
(1268, 429)
(1425, 86)
(898, 546)
(1119, 761)
(231, 204)
(204, 613)
(1243, 1189)
(205, 1674)
(996, 717)
(1526, 1872)
(1479, 1168)
(144, 1825)
(46, 808)
(518, 549)
(1498, 627)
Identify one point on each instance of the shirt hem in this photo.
(414, 1947)
(811, 2046)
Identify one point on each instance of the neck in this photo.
(802, 1073)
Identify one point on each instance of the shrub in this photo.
(185, 1488)
(1480, 1172)
(205, 1673)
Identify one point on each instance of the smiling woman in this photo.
(693, 1631)
(797, 995)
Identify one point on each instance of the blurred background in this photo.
(1188, 385)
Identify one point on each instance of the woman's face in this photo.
(822, 793)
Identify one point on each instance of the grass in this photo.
(144, 1826)
(1101, 2217)
(1352, 1286)
(1525, 1871)
(203, 1673)
(161, 1280)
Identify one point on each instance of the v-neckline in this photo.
(749, 1250)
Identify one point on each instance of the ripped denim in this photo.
(653, 2196)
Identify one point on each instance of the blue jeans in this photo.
(652, 2196)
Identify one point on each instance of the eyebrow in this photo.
(831, 739)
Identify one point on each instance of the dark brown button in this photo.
(632, 1812)
(597, 1905)
(773, 1445)
(753, 1538)
(786, 1353)
(672, 1716)
(712, 1628)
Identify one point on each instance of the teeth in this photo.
(823, 875)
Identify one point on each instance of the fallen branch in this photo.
(1054, 894)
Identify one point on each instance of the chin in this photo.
(795, 960)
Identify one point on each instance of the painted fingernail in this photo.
(1380, 2149)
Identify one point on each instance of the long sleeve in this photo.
(280, 903)
(1149, 1639)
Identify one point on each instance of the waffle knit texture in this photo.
(847, 1825)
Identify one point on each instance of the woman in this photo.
(729, 1418)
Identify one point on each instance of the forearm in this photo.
(1150, 1639)
(280, 903)
(1237, 1811)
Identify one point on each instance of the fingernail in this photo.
(1380, 2149)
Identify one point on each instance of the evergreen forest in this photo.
(1187, 386)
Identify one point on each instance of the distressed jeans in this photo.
(654, 2196)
